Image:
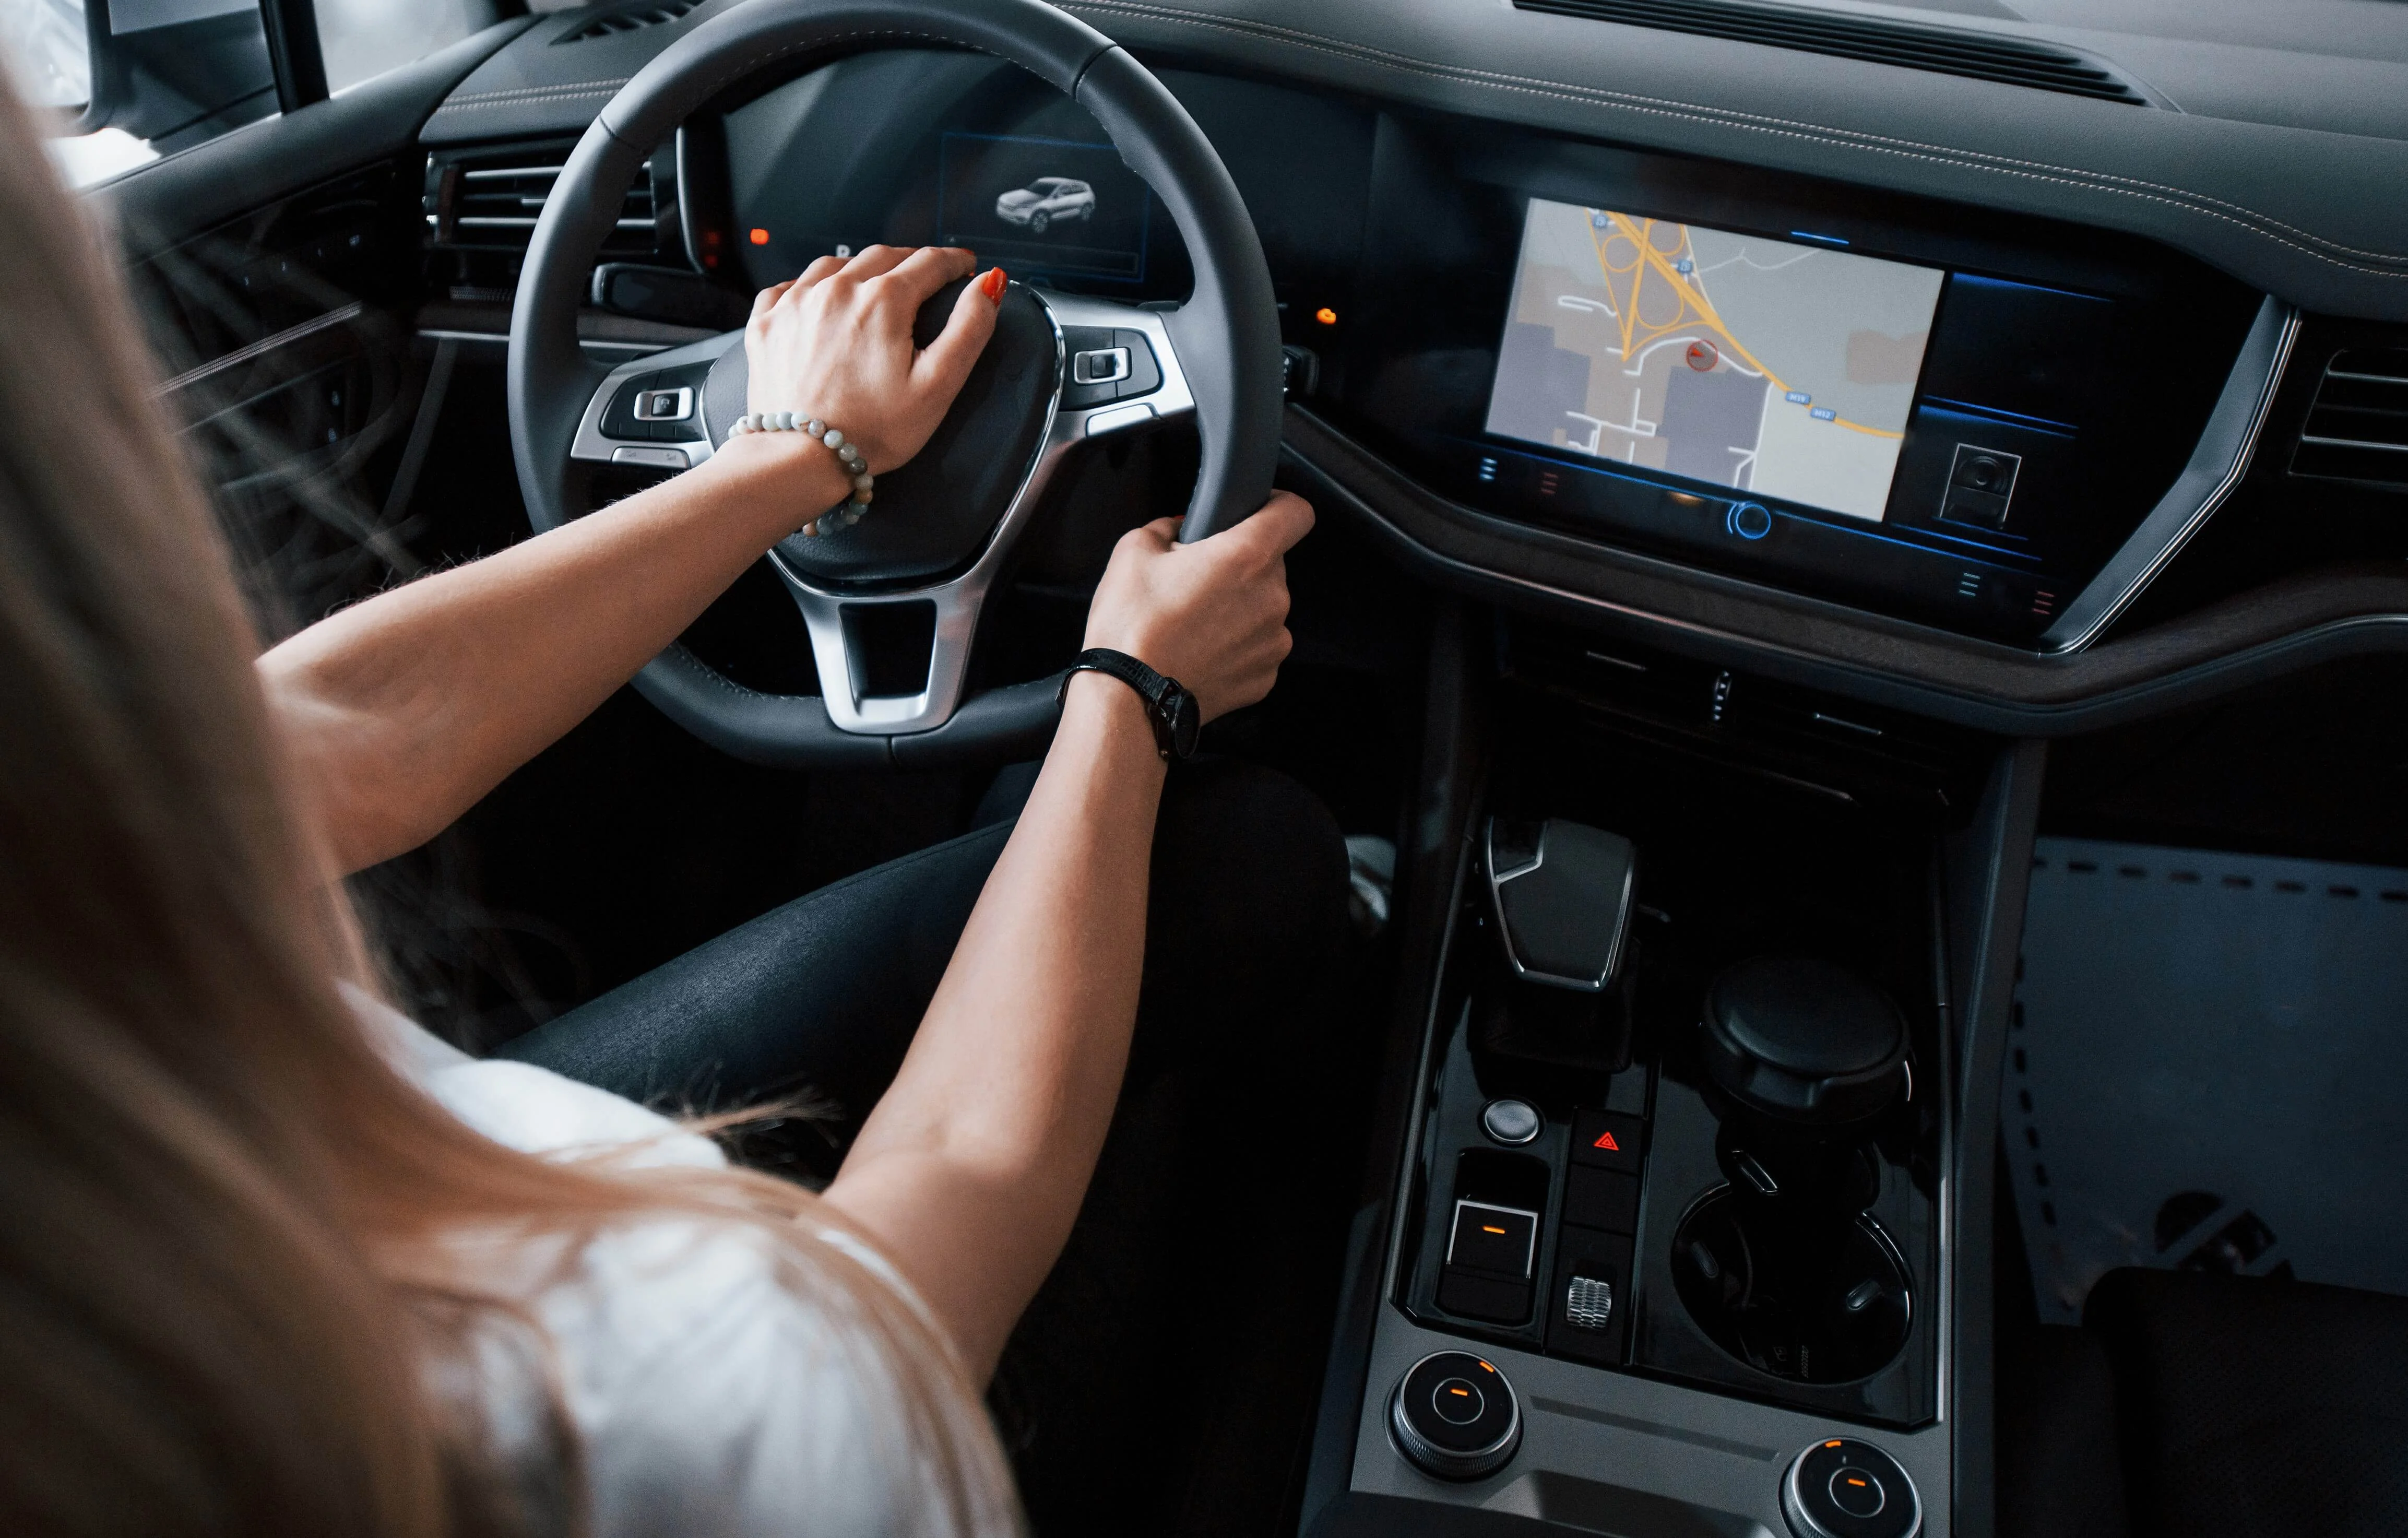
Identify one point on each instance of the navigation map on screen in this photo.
(1767, 365)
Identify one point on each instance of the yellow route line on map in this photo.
(1650, 257)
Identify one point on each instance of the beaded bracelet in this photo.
(856, 505)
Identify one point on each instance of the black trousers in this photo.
(1161, 1381)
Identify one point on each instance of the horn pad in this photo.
(934, 515)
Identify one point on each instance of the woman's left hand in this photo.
(836, 344)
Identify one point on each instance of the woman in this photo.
(275, 1259)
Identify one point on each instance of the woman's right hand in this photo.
(1213, 614)
(836, 344)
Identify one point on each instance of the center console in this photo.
(1673, 1243)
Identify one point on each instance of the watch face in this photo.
(1186, 722)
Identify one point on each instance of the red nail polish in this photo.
(992, 286)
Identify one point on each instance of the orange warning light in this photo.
(1461, 1393)
(1325, 315)
(1831, 1444)
(1605, 1140)
(1857, 1483)
(760, 236)
(1490, 1227)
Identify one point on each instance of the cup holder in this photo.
(1811, 1298)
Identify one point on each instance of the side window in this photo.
(44, 40)
(130, 80)
(364, 38)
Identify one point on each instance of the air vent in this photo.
(2358, 429)
(627, 21)
(1979, 55)
(491, 202)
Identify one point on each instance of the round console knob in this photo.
(1456, 1416)
(1512, 1122)
(1845, 1489)
(1803, 1040)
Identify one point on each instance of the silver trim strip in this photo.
(2370, 378)
(260, 347)
(2217, 467)
(2355, 443)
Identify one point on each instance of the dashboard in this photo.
(1919, 410)
(2140, 303)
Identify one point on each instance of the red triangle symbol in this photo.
(1605, 1140)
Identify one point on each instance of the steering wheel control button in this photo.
(665, 405)
(1846, 1488)
(1107, 364)
(1512, 1122)
(1749, 520)
(649, 459)
(1608, 1140)
(1101, 365)
(1497, 1241)
(1455, 1417)
(660, 407)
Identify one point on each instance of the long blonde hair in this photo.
(221, 1297)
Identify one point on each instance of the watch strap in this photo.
(1152, 687)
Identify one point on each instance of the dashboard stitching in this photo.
(531, 95)
(2246, 218)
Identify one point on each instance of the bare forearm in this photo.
(975, 1161)
(401, 712)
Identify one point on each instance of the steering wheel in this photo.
(1061, 368)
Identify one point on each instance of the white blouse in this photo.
(710, 1399)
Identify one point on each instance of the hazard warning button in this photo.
(1608, 1138)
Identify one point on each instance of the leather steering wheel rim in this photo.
(1226, 335)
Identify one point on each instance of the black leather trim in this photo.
(2279, 628)
(1011, 724)
(168, 202)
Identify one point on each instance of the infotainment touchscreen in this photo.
(1772, 367)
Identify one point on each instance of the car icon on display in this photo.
(1048, 201)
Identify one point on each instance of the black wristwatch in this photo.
(1176, 716)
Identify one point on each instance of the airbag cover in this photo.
(934, 515)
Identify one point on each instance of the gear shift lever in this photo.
(1562, 893)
